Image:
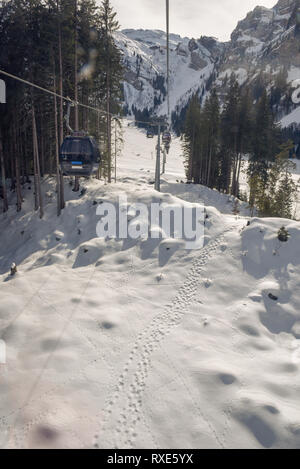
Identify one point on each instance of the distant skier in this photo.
(13, 269)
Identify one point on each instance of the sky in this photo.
(192, 18)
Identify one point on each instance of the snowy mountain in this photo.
(263, 48)
(264, 52)
(192, 63)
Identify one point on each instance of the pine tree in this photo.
(229, 136)
(244, 138)
(210, 134)
(264, 144)
(286, 188)
(192, 141)
(112, 74)
(37, 43)
(276, 195)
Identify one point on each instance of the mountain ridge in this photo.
(264, 43)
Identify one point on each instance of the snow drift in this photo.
(143, 344)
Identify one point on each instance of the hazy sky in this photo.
(191, 18)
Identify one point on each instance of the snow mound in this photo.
(141, 343)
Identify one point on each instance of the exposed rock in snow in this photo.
(191, 62)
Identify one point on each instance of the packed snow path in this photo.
(144, 344)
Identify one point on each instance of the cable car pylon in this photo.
(168, 57)
(166, 138)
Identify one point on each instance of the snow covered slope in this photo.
(191, 62)
(263, 44)
(141, 343)
(292, 118)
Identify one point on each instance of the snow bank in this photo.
(144, 344)
(292, 118)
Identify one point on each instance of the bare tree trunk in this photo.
(191, 159)
(22, 166)
(76, 70)
(76, 185)
(58, 186)
(36, 196)
(116, 151)
(108, 127)
(42, 149)
(12, 165)
(26, 160)
(18, 185)
(87, 110)
(238, 175)
(235, 168)
(4, 192)
(37, 167)
(61, 109)
(108, 123)
(17, 166)
(98, 128)
(233, 186)
(209, 163)
(62, 191)
(201, 162)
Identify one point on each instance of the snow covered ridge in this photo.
(192, 63)
(266, 40)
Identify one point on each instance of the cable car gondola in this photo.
(150, 133)
(166, 138)
(79, 155)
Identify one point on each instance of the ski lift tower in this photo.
(168, 57)
(168, 123)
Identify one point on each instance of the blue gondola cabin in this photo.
(79, 155)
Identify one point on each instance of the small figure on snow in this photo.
(283, 235)
(13, 269)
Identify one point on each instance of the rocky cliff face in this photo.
(264, 50)
(263, 36)
(192, 63)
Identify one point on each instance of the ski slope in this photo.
(142, 344)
